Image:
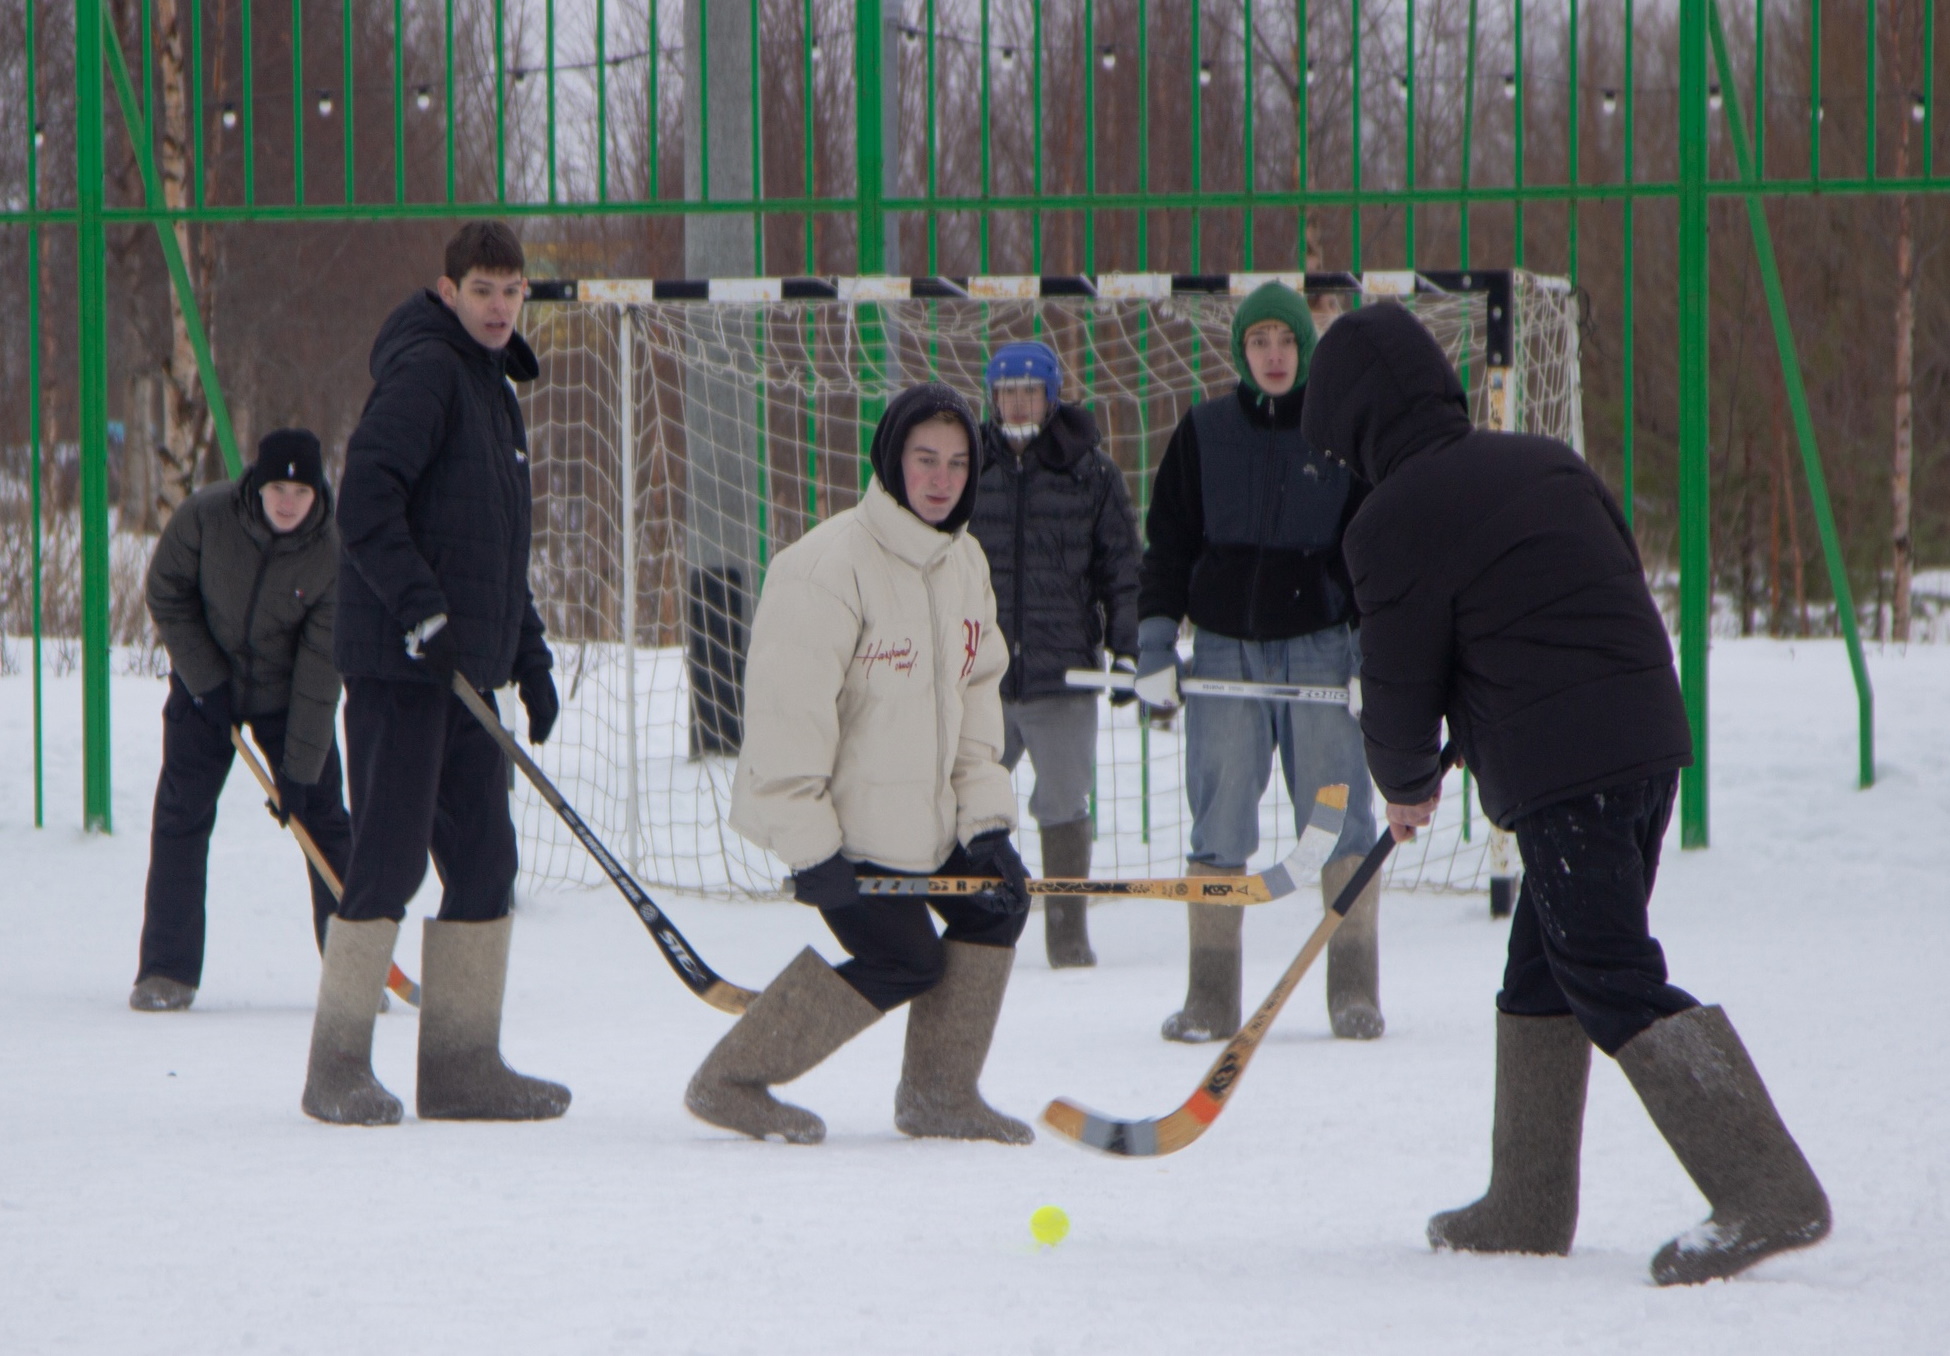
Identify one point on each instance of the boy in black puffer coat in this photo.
(1055, 521)
(1501, 591)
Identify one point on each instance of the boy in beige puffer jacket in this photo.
(873, 733)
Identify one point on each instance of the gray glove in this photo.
(1158, 665)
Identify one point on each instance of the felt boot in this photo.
(1354, 955)
(949, 1029)
(464, 972)
(1066, 930)
(1706, 1097)
(803, 1016)
(1542, 1066)
(1211, 1011)
(160, 993)
(339, 1085)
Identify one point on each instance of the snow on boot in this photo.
(803, 1016)
(1354, 955)
(1542, 1066)
(1066, 930)
(1702, 1091)
(159, 993)
(339, 1085)
(464, 972)
(949, 1029)
(1211, 1011)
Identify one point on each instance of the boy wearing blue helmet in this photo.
(1055, 521)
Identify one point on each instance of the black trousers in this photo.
(196, 763)
(1580, 942)
(425, 777)
(896, 955)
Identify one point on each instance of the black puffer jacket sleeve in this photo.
(1407, 648)
(174, 592)
(1114, 564)
(315, 688)
(1174, 528)
(402, 430)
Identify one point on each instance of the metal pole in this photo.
(1695, 547)
(34, 405)
(626, 454)
(91, 265)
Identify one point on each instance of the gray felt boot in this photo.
(159, 993)
(1354, 956)
(1706, 1097)
(948, 1033)
(339, 1085)
(1066, 931)
(803, 1016)
(1211, 1011)
(463, 974)
(1542, 1066)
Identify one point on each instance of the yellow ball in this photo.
(1049, 1225)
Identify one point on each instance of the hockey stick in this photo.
(396, 978)
(1277, 882)
(698, 977)
(1169, 1133)
(1349, 696)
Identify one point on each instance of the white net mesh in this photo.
(747, 422)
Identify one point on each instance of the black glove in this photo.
(215, 706)
(1123, 664)
(292, 797)
(992, 854)
(537, 688)
(437, 652)
(833, 884)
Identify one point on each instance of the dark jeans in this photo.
(196, 763)
(1580, 942)
(425, 777)
(896, 954)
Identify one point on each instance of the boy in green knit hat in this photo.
(1244, 539)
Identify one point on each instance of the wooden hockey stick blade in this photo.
(698, 977)
(1169, 1133)
(1216, 687)
(396, 978)
(1276, 882)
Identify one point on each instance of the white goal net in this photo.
(682, 435)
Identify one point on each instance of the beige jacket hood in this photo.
(873, 708)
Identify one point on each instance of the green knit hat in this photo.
(1273, 301)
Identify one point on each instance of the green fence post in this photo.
(1804, 428)
(91, 267)
(1695, 549)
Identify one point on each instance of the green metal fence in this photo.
(1376, 40)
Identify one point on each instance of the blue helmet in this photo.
(1033, 361)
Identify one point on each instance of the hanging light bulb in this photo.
(1821, 111)
(913, 35)
(324, 103)
(40, 135)
(1611, 102)
(1008, 56)
(1713, 97)
(1509, 84)
(1205, 72)
(1108, 57)
(1401, 87)
(228, 117)
(423, 98)
(1919, 108)
(814, 48)
(1310, 70)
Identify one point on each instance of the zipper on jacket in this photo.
(1271, 501)
(940, 676)
(265, 553)
(1022, 622)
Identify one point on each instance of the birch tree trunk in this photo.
(187, 429)
(1905, 430)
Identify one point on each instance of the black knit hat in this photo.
(913, 406)
(289, 454)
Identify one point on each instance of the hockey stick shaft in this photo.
(396, 978)
(698, 977)
(1196, 889)
(1216, 687)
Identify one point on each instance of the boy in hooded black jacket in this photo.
(1501, 591)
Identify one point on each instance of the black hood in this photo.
(1069, 435)
(916, 405)
(424, 317)
(1381, 391)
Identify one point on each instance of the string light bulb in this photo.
(815, 49)
(1713, 97)
(1919, 108)
(1108, 57)
(1611, 102)
(1205, 72)
(324, 103)
(1510, 84)
(1008, 56)
(423, 98)
(1310, 71)
(40, 135)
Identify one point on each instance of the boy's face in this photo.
(287, 503)
(934, 467)
(1273, 355)
(488, 304)
(1021, 402)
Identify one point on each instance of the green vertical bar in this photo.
(1469, 137)
(1628, 312)
(1037, 131)
(1089, 132)
(934, 218)
(869, 185)
(196, 98)
(806, 187)
(1246, 139)
(501, 98)
(1303, 66)
(548, 117)
(148, 111)
(91, 264)
(248, 60)
(1869, 84)
(298, 102)
(34, 400)
(447, 91)
(1516, 148)
(1571, 207)
(1797, 394)
(988, 162)
(399, 103)
(656, 109)
(1814, 89)
(703, 39)
(1929, 90)
(345, 63)
(1695, 548)
(1144, 131)
(1354, 130)
(1408, 128)
(1198, 130)
(1760, 90)
(602, 104)
(754, 77)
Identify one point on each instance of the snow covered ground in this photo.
(160, 1190)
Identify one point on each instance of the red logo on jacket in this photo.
(971, 643)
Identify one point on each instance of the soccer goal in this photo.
(682, 433)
